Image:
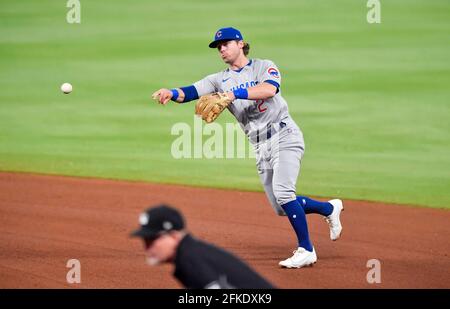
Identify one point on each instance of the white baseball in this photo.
(66, 88)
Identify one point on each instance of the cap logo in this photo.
(143, 218)
(219, 34)
(237, 36)
(167, 225)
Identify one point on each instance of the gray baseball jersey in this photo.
(279, 153)
(254, 116)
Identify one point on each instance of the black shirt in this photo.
(202, 265)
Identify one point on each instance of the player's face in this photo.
(230, 50)
(160, 250)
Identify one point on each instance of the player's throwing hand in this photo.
(162, 95)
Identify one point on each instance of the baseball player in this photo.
(251, 90)
(197, 264)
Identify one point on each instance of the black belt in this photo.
(269, 131)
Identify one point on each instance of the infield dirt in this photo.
(47, 220)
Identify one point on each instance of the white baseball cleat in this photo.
(301, 258)
(334, 221)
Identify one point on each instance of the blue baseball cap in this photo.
(225, 34)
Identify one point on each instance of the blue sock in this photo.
(297, 217)
(315, 207)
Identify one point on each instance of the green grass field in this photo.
(373, 100)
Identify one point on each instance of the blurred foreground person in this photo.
(197, 263)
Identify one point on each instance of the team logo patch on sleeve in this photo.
(273, 72)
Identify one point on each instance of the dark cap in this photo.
(158, 220)
(226, 34)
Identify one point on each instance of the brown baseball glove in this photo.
(211, 105)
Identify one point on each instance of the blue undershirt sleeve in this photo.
(190, 93)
